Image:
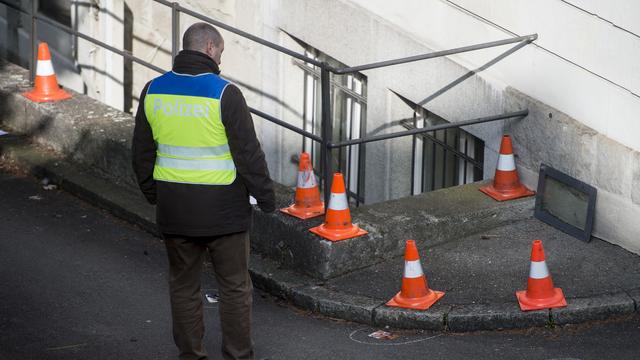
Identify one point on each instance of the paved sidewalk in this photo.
(483, 271)
(489, 267)
(479, 273)
(77, 283)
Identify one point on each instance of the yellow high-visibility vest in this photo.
(186, 121)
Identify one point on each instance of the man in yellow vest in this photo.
(196, 156)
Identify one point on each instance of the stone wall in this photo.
(549, 136)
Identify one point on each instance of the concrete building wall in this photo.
(552, 137)
(101, 70)
(581, 66)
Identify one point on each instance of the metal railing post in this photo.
(175, 30)
(34, 41)
(327, 130)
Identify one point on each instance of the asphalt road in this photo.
(76, 283)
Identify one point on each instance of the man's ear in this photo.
(210, 48)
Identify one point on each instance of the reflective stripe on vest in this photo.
(186, 121)
(187, 151)
(195, 164)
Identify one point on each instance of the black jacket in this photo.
(206, 210)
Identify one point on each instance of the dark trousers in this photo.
(230, 257)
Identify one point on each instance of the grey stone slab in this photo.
(536, 138)
(614, 166)
(593, 308)
(334, 304)
(430, 319)
(549, 136)
(635, 181)
(475, 317)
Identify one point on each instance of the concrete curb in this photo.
(334, 304)
(600, 307)
(311, 294)
(305, 293)
(433, 319)
(476, 317)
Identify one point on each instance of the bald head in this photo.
(204, 38)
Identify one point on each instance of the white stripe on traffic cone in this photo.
(306, 179)
(338, 201)
(538, 270)
(506, 162)
(413, 269)
(44, 68)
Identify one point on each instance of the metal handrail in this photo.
(325, 73)
(521, 113)
(286, 125)
(236, 31)
(123, 53)
(431, 55)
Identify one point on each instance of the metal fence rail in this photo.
(520, 113)
(431, 55)
(325, 138)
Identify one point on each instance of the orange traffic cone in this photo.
(307, 201)
(506, 184)
(46, 87)
(415, 293)
(540, 293)
(337, 224)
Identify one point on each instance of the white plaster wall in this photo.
(152, 37)
(623, 13)
(102, 70)
(598, 55)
